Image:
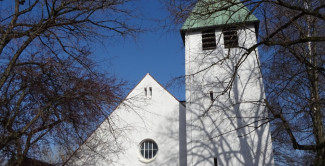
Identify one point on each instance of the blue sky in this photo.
(158, 51)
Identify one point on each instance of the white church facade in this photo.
(222, 122)
(148, 128)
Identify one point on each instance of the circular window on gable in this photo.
(148, 150)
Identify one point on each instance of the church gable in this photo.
(150, 127)
(143, 130)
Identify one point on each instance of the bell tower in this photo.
(226, 120)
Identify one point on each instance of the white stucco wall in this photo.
(228, 128)
(231, 129)
(139, 117)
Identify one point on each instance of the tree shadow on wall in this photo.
(227, 121)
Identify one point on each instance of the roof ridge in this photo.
(163, 87)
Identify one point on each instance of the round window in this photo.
(148, 149)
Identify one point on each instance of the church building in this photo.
(223, 120)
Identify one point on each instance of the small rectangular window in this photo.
(211, 96)
(230, 37)
(215, 161)
(209, 39)
(150, 89)
(145, 92)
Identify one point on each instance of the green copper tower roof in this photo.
(213, 13)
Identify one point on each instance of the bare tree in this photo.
(292, 36)
(51, 95)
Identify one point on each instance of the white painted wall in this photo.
(139, 117)
(228, 128)
(216, 129)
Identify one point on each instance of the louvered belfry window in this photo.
(209, 39)
(230, 37)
